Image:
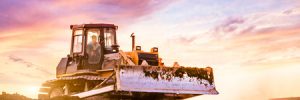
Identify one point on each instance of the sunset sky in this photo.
(253, 45)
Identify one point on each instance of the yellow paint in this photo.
(135, 59)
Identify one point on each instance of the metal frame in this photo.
(95, 92)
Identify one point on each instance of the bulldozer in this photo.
(97, 69)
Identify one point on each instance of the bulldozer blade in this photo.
(161, 79)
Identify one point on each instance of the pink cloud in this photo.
(287, 12)
(249, 29)
(26, 14)
(267, 45)
(230, 24)
(186, 40)
(251, 44)
(29, 65)
(32, 23)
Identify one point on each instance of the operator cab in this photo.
(90, 42)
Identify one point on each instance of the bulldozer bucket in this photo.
(160, 79)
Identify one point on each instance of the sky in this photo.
(252, 45)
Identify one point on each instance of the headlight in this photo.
(138, 48)
(115, 48)
(154, 49)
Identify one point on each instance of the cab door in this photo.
(109, 37)
(93, 49)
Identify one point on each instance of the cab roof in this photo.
(99, 25)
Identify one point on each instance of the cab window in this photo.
(77, 44)
(109, 37)
(93, 48)
(91, 33)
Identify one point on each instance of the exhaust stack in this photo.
(133, 41)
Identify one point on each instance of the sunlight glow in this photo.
(32, 89)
